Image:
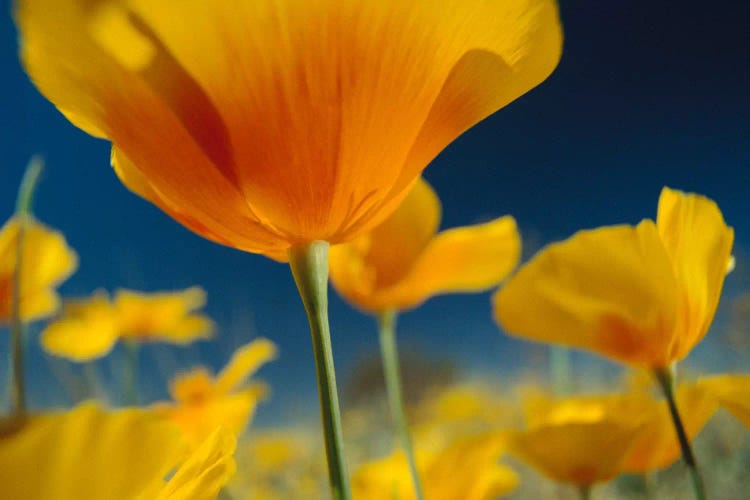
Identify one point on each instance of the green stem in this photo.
(17, 327)
(309, 264)
(559, 364)
(665, 378)
(585, 492)
(393, 386)
(130, 373)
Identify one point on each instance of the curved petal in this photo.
(610, 290)
(700, 245)
(206, 471)
(87, 453)
(464, 259)
(732, 391)
(311, 94)
(103, 68)
(245, 361)
(47, 261)
(86, 330)
(382, 257)
(656, 446)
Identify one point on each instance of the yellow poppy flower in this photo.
(203, 402)
(46, 262)
(732, 392)
(644, 295)
(285, 122)
(465, 470)
(580, 441)
(89, 329)
(656, 446)
(88, 452)
(404, 261)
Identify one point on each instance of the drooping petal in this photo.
(86, 330)
(244, 363)
(87, 453)
(464, 259)
(699, 244)
(610, 290)
(47, 261)
(732, 391)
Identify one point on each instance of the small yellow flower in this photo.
(580, 441)
(89, 329)
(88, 452)
(285, 122)
(468, 469)
(203, 402)
(732, 392)
(643, 295)
(46, 262)
(404, 261)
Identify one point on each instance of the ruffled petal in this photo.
(611, 290)
(699, 244)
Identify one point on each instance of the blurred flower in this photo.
(656, 446)
(644, 295)
(46, 262)
(89, 329)
(404, 261)
(284, 122)
(203, 402)
(580, 441)
(468, 469)
(88, 452)
(732, 392)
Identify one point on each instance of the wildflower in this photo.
(404, 261)
(227, 133)
(203, 402)
(643, 295)
(465, 470)
(732, 392)
(89, 329)
(46, 262)
(580, 441)
(88, 452)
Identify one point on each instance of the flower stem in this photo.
(309, 264)
(585, 492)
(392, 373)
(17, 327)
(130, 373)
(559, 366)
(666, 380)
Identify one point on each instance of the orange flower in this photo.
(643, 295)
(404, 261)
(732, 392)
(284, 122)
(47, 261)
(89, 329)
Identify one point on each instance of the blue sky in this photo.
(647, 94)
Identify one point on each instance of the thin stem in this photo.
(392, 373)
(559, 365)
(309, 264)
(17, 327)
(585, 492)
(130, 373)
(666, 380)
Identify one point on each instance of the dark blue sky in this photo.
(647, 94)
